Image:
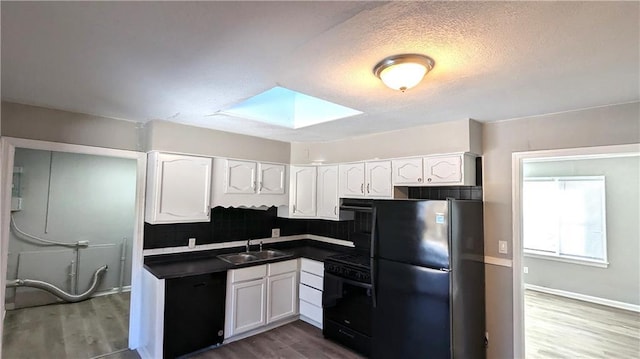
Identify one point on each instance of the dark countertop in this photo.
(168, 266)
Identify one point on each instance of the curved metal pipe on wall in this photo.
(67, 297)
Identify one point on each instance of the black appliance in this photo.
(346, 300)
(194, 313)
(427, 279)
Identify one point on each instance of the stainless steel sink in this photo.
(254, 256)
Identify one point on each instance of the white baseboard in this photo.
(261, 329)
(126, 288)
(498, 261)
(585, 298)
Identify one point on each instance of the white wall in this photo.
(620, 281)
(609, 125)
(91, 198)
(457, 136)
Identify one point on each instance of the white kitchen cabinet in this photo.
(456, 169)
(248, 306)
(259, 295)
(351, 179)
(327, 193)
(311, 287)
(366, 179)
(178, 188)
(241, 183)
(378, 179)
(271, 178)
(240, 177)
(303, 191)
(407, 171)
(250, 177)
(282, 300)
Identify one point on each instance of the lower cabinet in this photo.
(259, 295)
(311, 287)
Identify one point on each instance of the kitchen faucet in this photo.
(247, 245)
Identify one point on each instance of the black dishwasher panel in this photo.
(193, 313)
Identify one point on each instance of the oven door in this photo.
(348, 303)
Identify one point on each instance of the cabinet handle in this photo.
(362, 187)
(294, 208)
(260, 188)
(368, 184)
(419, 179)
(335, 210)
(429, 179)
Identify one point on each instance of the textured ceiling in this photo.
(184, 61)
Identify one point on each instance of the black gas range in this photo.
(346, 300)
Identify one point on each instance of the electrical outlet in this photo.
(502, 247)
(192, 242)
(275, 232)
(526, 270)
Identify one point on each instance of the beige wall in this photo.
(173, 137)
(40, 123)
(601, 126)
(457, 136)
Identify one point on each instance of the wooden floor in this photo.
(297, 340)
(75, 330)
(559, 327)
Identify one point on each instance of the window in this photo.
(564, 217)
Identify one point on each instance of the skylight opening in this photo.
(286, 108)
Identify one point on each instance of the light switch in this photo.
(275, 232)
(192, 242)
(502, 247)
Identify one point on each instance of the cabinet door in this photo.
(180, 187)
(351, 181)
(282, 300)
(271, 178)
(303, 191)
(407, 171)
(247, 306)
(443, 169)
(240, 177)
(378, 179)
(328, 192)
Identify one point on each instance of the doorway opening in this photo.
(71, 240)
(576, 239)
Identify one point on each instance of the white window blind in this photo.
(565, 217)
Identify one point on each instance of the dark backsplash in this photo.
(240, 224)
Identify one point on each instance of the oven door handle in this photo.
(374, 217)
(349, 281)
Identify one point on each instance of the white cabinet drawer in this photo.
(311, 266)
(311, 280)
(311, 311)
(255, 272)
(283, 267)
(311, 295)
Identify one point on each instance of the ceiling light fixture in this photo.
(402, 72)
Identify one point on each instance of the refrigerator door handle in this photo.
(373, 254)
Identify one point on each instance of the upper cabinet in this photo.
(254, 177)
(328, 200)
(458, 169)
(440, 170)
(366, 179)
(178, 188)
(303, 191)
(407, 171)
(248, 183)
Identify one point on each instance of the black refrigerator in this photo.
(428, 279)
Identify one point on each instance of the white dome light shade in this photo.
(402, 72)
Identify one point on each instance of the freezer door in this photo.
(411, 317)
(413, 232)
